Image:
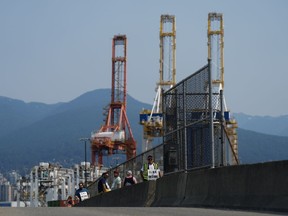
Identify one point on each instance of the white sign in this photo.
(153, 174)
(84, 195)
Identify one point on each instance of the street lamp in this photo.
(85, 171)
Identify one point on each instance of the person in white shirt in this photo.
(117, 181)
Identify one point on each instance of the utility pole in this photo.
(85, 171)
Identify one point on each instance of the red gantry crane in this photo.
(115, 136)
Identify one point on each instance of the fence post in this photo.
(211, 113)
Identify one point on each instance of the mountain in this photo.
(257, 147)
(263, 124)
(54, 135)
(16, 114)
(37, 132)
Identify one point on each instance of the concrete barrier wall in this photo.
(170, 190)
(139, 195)
(261, 186)
(258, 186)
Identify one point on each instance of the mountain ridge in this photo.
(264, 124)
(50, 133)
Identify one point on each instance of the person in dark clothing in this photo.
(82, 193)
(103, 185)
(129, 179)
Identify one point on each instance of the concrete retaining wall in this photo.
(261, 186)
(170, 190)
(139, 195)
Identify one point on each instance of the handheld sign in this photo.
(153, 174)
(84, 195)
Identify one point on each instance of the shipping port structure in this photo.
(152, 120)
(48, 183)
(115, 135)
(190, 116)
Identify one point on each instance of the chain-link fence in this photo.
(190, 141)
(192, 137)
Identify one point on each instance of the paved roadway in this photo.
(129, 211)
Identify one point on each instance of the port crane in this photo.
(152, 120)
(115, 136)
(215, 35)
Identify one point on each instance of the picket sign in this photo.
(153, 174)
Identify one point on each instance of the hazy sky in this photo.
(55, 50)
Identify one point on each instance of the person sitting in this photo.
(69, 202)
(129, 179)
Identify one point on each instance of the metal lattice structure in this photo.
(215, 35)
(152, 120)
(115, 137)
(198, 129)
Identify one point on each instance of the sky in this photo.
(56, 50)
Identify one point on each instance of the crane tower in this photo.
(152, 120)
(216, 54)
(115, 136)
(216, 49)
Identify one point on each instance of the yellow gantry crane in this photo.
(216, 49)
(216, 55)
(152, 120)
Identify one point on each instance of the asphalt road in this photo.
(129, 211)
